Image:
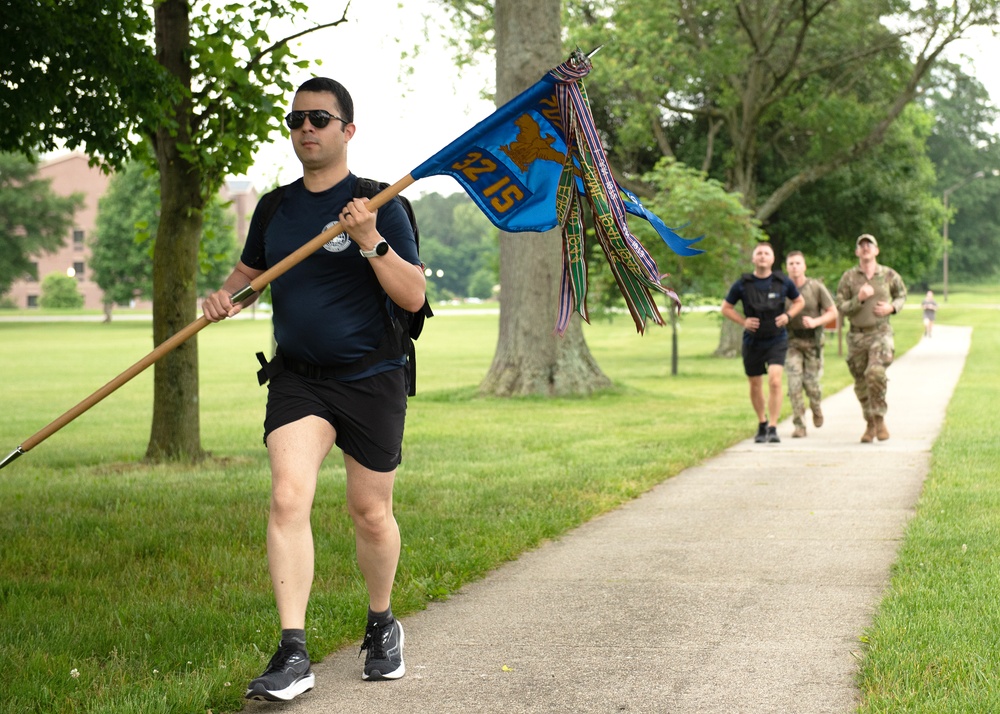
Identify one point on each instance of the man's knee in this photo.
(290, 503)
(373, 522)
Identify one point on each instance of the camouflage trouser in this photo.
(868, 354)
(804, 368)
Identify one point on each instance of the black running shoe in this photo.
(384, 643)
(772, 435)
(286, 677)
(761, 433)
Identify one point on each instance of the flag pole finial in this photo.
(578, 58)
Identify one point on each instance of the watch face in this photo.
(382, 248)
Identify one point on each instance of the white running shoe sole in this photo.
(286, 694)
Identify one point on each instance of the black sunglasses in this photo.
(317, 117)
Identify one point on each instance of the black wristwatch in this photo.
(380, 249)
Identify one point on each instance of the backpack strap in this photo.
(268, 205)
(401, 331)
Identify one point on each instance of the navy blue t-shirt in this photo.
(326, 308)
(766, 305)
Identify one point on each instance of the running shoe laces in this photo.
(288, 675)
(384, 644)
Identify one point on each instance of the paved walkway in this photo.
(741, 586)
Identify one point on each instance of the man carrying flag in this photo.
(528, 167)
(334, 384)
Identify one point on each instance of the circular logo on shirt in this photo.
(338, 243)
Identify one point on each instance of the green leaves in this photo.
(80, 72)
(59, 291)
(696, 205)
(85, 75)
(127, 223)
(32, 218)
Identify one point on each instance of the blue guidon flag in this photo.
(530, 166)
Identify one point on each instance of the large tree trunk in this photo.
(530, 358)
(730, 340)
(175, 432)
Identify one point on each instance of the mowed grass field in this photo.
(126, 587)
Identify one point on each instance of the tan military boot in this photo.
(799, 432)
(880, 429)
(869, 434)
(817, 416)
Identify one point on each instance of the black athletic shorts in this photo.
(758, 355)
(368, 414)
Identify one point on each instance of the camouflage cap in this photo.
(868, 237)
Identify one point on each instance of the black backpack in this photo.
(404, 326)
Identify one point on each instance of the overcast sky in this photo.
(402, 118)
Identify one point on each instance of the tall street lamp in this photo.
(947, 220)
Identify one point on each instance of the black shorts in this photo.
(758, 355)
(367, 414)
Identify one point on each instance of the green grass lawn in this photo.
(133, 588)
(935, 642)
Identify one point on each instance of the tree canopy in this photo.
(125, 236)
(889, 192)
(81, 74)
(807, 110)
(962, 145)
(801, 88)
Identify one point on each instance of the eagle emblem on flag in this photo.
(530, 145)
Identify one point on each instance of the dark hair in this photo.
(338, 90)
(794, 253)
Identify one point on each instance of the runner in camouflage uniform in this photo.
(868, 294)
(804, 361)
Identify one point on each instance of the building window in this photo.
(78, 270)
(33, 273)
(32, 301)
(77, 239)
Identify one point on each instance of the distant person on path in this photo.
(804, 361)
(929, 306)
(337, 378)
(867, 295)
(765, 339)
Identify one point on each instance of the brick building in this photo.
(70, 174)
